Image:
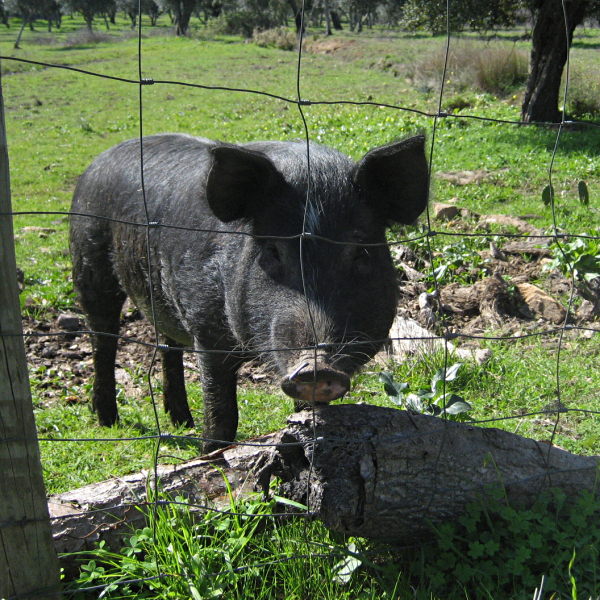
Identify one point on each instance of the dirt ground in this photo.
(502, 294)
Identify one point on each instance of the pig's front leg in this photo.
(219, 381)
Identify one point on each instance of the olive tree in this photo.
(131, 9)
(553, 25)
(90, 9)
(181, 11)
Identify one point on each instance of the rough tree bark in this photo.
(373, 472)
(551, 40)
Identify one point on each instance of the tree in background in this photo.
(552, 37)
(360, 12)
(131, 8)
(181, 11)
(90, 9)
(553, 25)
(246, 16)
(479, 15)
(208, 9)
(30, 10)
(3, 14)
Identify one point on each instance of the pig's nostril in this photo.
(297, 370)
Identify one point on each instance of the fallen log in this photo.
(363, 470)
(107, 510)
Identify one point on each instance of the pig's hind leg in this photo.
(102, 299)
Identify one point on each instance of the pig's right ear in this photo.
(238, 182)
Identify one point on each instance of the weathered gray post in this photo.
(28, 561)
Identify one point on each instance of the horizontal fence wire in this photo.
(305, 102)
(151, 226)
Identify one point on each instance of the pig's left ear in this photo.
(238, 182)
(395, 179)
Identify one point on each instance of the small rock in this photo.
(68, 322)
(408, 338)
(427, 317)
(410, 273)
(36, 229)
(541, 303)
(425, 300)
(478, 355)
(508, 221)
(496, 253)
(48, 352)
(482, 355)
(466, 177)
(72, 355)
(445, 211)
(586, 311)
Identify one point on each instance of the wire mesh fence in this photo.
(446, 330)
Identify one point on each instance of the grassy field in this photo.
(59, 119)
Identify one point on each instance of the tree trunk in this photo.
(18, 40)
(297, 12)
(387, 474)
(337, 23)
(551, 41)
(374, 472)
(88, 17)
(183, 16)
(327, 9)
(28, 563)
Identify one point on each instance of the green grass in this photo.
(248, 555)
(244, 555)
(58, 121)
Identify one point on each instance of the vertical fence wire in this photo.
(430, 234)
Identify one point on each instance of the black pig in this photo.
(290, 263)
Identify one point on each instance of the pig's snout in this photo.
(315, 383)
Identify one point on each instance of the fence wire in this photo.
(152, 227)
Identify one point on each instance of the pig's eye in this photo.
(271, 253)
(270, 260)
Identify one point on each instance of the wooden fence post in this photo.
(28, 561)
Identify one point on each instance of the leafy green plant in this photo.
(436, 400)
(459, 261)
(581, 254)
(497, 550)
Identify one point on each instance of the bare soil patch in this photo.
(508, 293)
